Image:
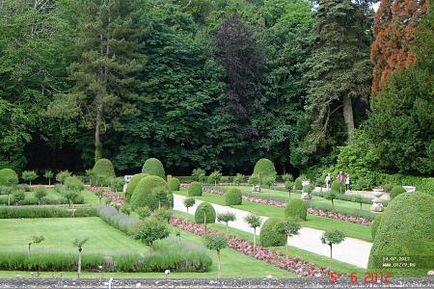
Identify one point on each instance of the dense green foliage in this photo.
(173, 184)
(8, 177)
(375, 225)
(233, 197)
(195, 189)
(264, 169)
(405, 230)
(132, 185)
(395, 191)
(296, 209)
(151, 230)
(205, 213)
(145, 195)
(103, 168)
(273, 233)
(154, 167)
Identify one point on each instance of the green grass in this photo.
(60, 233)
(353, 230)
(292, 251)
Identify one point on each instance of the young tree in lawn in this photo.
(216, 242)
(35, 240)
(40, 192)
(254, 222)
(226, 217)
(189, 202)
(215, 177)
(331, 196)
(331, 238)
(291, 228)
(48, 175)
(199, 175)
(151, 230)
(239, 178)
(289, 185)
(29, 176)
(78, 243)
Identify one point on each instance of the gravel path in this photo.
(351, 251)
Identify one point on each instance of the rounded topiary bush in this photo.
(272, 233)
(8, 177)
(174, 184)
(375, 225)
(103, 168)
(233, 197)
(296, 209)
(195, 189)
(202, 209)
(145, 194)
(154, 167)
(395, 191)
(265, 170)
(406, 229)
(132, 185)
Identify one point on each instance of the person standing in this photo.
(348, 183)
(341, 177)
(328, 181)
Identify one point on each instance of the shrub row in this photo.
(119, 220)
(14, 212)
(31, 201)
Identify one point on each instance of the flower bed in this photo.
(295, 264)
(115, 197)
(282, 204)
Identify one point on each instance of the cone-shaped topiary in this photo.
(132, 185)
(103, 168)
(174, 184)
(154, 167)
(145, 194)
(233, 197)
(296, 209)
(273, 233)
(195, 189)
(8, 177)
(265, 170)
(405, 230)
(201, 210)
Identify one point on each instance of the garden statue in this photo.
(256, 188)
(377, 203)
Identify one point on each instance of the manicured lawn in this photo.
(60, 233)
(292, 251)
(353, 230)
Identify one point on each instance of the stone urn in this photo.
(377, 203)
(256, 189)
(409, 189)
(304, 195)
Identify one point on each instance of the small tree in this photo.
(239, 178)
(29, 176)
(358, 199)
(226, 217)
(198, 175)
(287, 177)
(7, 191)
(254, 222)
(268, 180)
(292, 228)
(48, 175)
(189, 202)
(78, 243)
(215, 177)
(331, 196)
(151, 230)
(35, 240)
(62, 175)
(40, 192)
(217, 243)
(18, 196)
(289, 185)
(71, 197)
(254, 180)
(332, 238)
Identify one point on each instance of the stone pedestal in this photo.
(377, 203)
(409, 189)
(256, 189)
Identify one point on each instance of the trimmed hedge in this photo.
(14, 212)
(144, 193)
(103, 168)
(375, 225)
(395, 191)
(406, 229)
(195, 189)
(8, 177)
(154, 167)
(201, 210)
(296, 209)
(233, 197)
(265, 170)
(174, 184)
(272, 233)
(132, 185)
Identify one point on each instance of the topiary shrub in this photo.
(233, 197)
(195, 189)
(265, 170)
(298, 182)
(201, 210)
(395, 191)
(174, 184)
(375, 225)
(296, 209)
(145, 192)
(154, 167)
(272, 233)
(8, 177)
(132, 185)
(103, 168)
(406, 229)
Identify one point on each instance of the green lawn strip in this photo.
(292, 251)
(60, 233)
(353, 230)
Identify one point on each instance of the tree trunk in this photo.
(331, 255)
(9, 199)
(29, 248)
(79, 263)
(348, 114)
(49, 181)
(98, 123)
